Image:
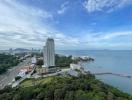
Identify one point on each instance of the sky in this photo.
(74, 24)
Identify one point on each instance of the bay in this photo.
(115, 61)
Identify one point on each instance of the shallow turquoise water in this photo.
(109, 61)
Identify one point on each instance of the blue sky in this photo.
(74, 24)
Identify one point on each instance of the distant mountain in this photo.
(21, 49)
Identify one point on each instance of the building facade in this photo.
(49, 53)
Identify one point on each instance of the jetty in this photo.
(116, 74)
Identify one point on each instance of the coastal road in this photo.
(16, 83)
(7, 78)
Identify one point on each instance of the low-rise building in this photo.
(25, 70)
(22, 73)
(46, 70)
(75, 66)
(33, 60)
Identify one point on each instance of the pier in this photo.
(121, 75)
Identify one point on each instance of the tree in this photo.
(17, 78)
(40, 62)
(41, 96)
(110, 96)
(69, 95)
(59, 94)
(17, 97)
(81, 95)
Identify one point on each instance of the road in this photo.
(7, 78)
(37, 76)
(16, 83)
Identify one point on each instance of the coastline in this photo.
(116, 61)
(89, 86)
(75, 72)
(114, 80)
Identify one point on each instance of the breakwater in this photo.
(116, 74)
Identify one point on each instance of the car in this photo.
(58, 70)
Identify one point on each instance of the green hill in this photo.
(84, 87)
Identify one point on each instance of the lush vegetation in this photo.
(7, 61)
(63, 88)
(40, 62)
(60, 61)
(78, 59)
(63, 61)
(17, 78)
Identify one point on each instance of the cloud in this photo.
(63, 8)
(105, 5)
(27, 26)
(15, 17)
(97, 37)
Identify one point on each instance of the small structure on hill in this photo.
(75, 66)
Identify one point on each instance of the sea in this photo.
(114, 61)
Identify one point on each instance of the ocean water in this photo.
(115, 61)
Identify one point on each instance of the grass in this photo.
(33, 81)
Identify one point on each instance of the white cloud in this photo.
(108, 36)
(63, 8)
(26, 26)
(109, 40)
(115, 35)
(105, 5)
(21, 26)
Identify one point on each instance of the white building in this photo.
(33, 60)
(22, 73)
(75, 66)
(49, 53)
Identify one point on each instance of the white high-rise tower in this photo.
(49, 53)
